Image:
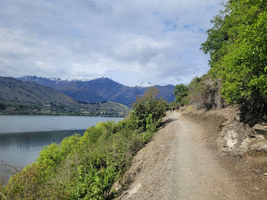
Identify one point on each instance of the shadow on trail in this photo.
(165, 122)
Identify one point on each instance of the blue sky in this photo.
(128, 41)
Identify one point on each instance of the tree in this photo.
(149, 109)
(238, 53)
(180, 92)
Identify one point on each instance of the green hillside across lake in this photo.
(18, 97)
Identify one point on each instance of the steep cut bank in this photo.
(184, 162)
(240, 149)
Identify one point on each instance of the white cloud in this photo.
(129, 41)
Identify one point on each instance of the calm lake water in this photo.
(23, 137)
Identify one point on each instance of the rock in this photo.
(261, 129)
(235, 139)
(219, 100)
(237, 117)
(261, 146)
(231, 138)
(260, 137)
(244, 147)
(134, 190)
(116, 187)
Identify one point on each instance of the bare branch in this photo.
(3, 196)
(10, 166)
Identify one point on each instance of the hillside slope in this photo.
(19, 97)
(78, 90)
(16, 91)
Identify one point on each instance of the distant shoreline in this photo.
(65, 114)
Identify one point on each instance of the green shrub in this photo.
(180, 91)
(148, 104)
(237, 45)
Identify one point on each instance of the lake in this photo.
(22, 137)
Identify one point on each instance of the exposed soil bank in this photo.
(249, 168)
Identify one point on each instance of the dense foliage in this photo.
(237, 45)
(85, 167)
(180, 92)
(149, 110)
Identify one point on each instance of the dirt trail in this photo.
(178, 165)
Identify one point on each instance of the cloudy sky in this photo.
(129, 41)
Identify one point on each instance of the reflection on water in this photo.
(20, 149)
(34, 139)
(23, 137)
(31, 123)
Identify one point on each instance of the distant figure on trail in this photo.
(173, 109)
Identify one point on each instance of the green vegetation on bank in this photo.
(237, 45)
(85, 167)
(104, 109)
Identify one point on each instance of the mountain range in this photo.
(16, 91)
(22, 97)
(99, 90)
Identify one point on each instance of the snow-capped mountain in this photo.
(82, 79)
(100, 89)
(144, 84)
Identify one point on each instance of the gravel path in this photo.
(178, 165)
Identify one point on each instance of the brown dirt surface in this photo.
(249, 170)
(183, 162)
